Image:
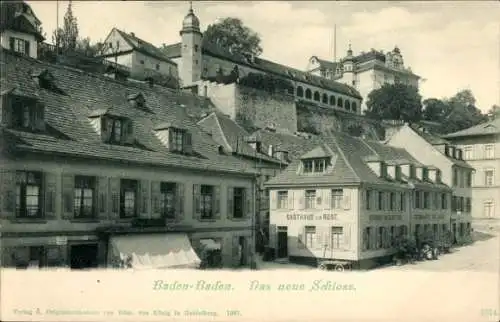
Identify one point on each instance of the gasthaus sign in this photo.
(308, 217)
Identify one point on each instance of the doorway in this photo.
(83, 256)
(242, 250)
(282, 242)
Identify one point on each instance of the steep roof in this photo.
(144, 46)
(326, 64)
(487, 128)
(173, 51)
(79, 94)
(228, 133)
(349, 163)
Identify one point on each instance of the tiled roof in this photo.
(12, 14)
(295, 146)
(231, 135)
(326, 64)
(69, 131)
(268, 66)
(487, 128)
(144, 46)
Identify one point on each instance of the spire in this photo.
(190, 22)
(349, 51)
(190, 6)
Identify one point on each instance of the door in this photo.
(282, 242)
(83, 256)
(242, 251)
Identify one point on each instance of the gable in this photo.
(115, 38)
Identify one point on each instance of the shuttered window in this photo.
(84, 197)
(206, 196)
(128, 198)
(20, 46)
(167, 199)
(29, 194)
(337, 237)
(238, 202)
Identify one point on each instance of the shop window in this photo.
(310, 199)
(29, 194)
(337, 237)
(167, 200)
(336, 198)
(128, 198)
(84, 198)
(282, 199)
(30, 257)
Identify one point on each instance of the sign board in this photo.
(385, 217)
(61, 240)
(438, 217)
(324, 216)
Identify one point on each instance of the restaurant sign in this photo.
(385, 217)
(438, 217)
(324, 216)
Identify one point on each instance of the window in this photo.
(347, 105)
(417, 200)
(435, 200)
(316, 96)
(167, 199)
(425, 174)
(455, 177)
(238, 202)
(282, 199)
(468, 205)
(444, 201)
(380, 200)
(195, 47)
(392, 236)
(354, 107)
(116, 132)
(325, 99)
(469, 179)
(336, 198)
(340, 102)
(427, 197)
(28, 194)
(308, 93)
(367, 237)
(489, 207)
(141, 62)
(310, 199)
(314, 165)
(489, 177)
(157, 66)
(337, 237)
(417, 230)
(310, 234)
(403, 202)
(128, 198)
(368, 197)
(26, 114)
(206, 202)
(332, 100)
(468, 153)
(380, 237)
(392, 201)
(489, 151)
(300, 91)
(84, 197)
(20, 46)
(177, 140)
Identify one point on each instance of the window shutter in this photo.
(302, 202)
(247, 194)
(7, 193)
(114, 190)
(180, 201)
(27, 48)
(188, 144)
(347, 236)
(68, 193)
(230, 202)
(40, 117)
(327, 198)
(170, 138)
(273, 197)
(106, 128)
(346, 199)
(102, 193)
(291, 200)
(50, 195)
(197, 201)
(144, 199)
(216, 201)
(11, 43)
(155, 199)
(129, 132)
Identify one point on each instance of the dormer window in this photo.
(397, 171)
(44, 78)
(137, 100)
(176, 139)
(425, 174)
(314, 165)
(24, 113)
(114, 129)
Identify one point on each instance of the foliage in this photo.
(456, 113)
(494, 112)
(405, 247)
(355, 130)
(66, 36)
(395, 102)
(266, 82)
(231, 33)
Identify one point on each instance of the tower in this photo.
(348, 64)
(191, 59)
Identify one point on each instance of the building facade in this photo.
(481, 149)
(101, 172)
(456, 172)
(349, 199)
(366, 71)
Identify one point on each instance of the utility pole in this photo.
(335, 43)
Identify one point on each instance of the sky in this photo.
(452, 45)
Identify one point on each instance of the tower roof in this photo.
(191, 23)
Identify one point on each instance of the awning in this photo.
(210, 244)
(154, 251)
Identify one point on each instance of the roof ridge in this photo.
(367, 145)
(342, 154)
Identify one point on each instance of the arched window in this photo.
(354, 106)
(308, 93)
(325, 98)
(290, 90)
(332, 100)
(347, 105)
(300, 91)
(339, 102)
(316, 96)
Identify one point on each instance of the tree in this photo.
(461, 112)
(232, 34)
(395, 102)
(84, 46)
(66, 37)
(434, 109)
(494, 112)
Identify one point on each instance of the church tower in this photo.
(191, 59)
(348, 68)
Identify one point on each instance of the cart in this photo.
(337, 265)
